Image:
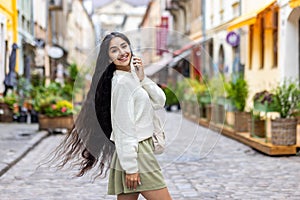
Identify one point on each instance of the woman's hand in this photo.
(132, 181)
(139, 67)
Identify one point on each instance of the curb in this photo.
(23, 151)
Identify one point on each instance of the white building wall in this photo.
(219, 13)
(2, 50)
(40, 12)
(288, 47)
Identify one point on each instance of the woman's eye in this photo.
(114, 51)
(124, 46)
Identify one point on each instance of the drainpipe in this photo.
(239, 46)
(203, 12)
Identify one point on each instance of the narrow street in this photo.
(198, 164)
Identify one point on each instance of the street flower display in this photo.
(56, 108)
(286, 99)
(264, 101)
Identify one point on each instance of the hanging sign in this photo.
(233, 39)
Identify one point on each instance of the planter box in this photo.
(195, 109)
(208, 112)
(257, 127)
(284, 131)
(46, 122)
(6, 114)
(241, 121)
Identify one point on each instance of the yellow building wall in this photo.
(261, 74)
(9, 9)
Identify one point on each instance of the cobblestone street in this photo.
(198, 164)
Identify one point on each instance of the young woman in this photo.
(115, 125)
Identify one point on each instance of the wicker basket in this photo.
(241, 121)
(257, 127)
(6, 114)
(46, 123)
(284, 131)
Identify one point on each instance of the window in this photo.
(235, 9)
(221, 10)
(262, 42)
(251, 38)
(275, 39)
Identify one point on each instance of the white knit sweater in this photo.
(132, 105)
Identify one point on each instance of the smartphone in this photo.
(134, 69)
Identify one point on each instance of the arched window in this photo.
(221, 59)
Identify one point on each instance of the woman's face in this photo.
(119, 52)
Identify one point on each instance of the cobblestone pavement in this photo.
(198, 164)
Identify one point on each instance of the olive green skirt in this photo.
(149, 170)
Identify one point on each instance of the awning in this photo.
(294, 3)
(249, 18)
(169, 60)
(184, 48)
(181, 56)
(155, 67)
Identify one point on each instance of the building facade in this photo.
(8, 35)
(289, 43)
(26, 41)
(80, 35)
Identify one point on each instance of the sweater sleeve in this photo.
(126, 140)
(156, 94)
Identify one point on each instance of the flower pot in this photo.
(220, 114)
(284, 131)
(6, 114)
(46, 122)
(195, 109)
(202, 110)
(241, 121)
(257, 127)
(208, 112)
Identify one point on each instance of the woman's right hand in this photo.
(139, 67)
(132, 181)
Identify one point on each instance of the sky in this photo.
(98, 3)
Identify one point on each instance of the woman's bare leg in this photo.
(161, 194)
(133, 196)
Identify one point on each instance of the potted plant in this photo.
(7, 107)
(256, 125)
(284, 128)
(198, 89)
(216, 91)
(171, 98)
(237, 92)
(55, 112)
(264, 101)
(54, 107)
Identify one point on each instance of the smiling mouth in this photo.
(123, 58)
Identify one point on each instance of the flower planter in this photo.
(284, 131)
(6, 114)
(241, 121)
(195, 109)
(257, 127)
(208, 112)
(46, 122)
(220, 114)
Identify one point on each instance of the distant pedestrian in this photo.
(115, 125)
(10, 80)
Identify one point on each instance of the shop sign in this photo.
(233, 39)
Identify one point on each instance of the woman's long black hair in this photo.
(88, 141)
